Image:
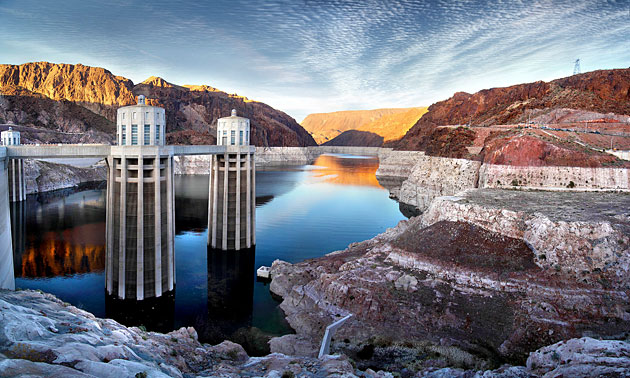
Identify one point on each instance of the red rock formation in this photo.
(605, 91)
(356, 138)
(189, 108)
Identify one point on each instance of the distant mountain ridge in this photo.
(390, 123)
(192, 110)
(356, 138)
(603, 91)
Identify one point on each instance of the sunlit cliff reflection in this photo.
(61, 245)
(346, 171)
(68, 253)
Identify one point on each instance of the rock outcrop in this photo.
(493, 274)
(43, 176)
(604, 91)
(356, 138)
(66, 97)
(42, 336)
(415, 178)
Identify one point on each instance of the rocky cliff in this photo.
(488, 277)
(415, 178)
(390, 123)
(42, 336)
(56, 96)
(356, 138)
(604, 91)
(43, 176)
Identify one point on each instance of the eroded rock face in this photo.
(42, 336)
(601, 91)
(43, 176)
(76, 97)
(497, 284)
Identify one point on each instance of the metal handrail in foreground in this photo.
(330, 330)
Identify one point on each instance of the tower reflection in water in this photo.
(230, 294)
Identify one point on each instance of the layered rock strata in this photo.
(415, 178)
(493, 282)
(43, 176)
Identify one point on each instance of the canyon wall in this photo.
(514, 269)
(415, 178)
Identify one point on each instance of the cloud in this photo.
(318, 56)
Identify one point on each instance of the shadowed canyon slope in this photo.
(356, 138)
(390, 123)
(62, 92)
(604, 93)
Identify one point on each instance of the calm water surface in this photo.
(302, 212)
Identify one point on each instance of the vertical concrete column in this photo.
(13, 196)
(248, 195)
(109, 213)
(215, 197)
(23, 180)
(140, 231)
(172, 245)
(226, 173)
(122, 255)
(253, 173)
(237, 229)
(157, 177)
(170, 216)
(7, 277)
(210, 202)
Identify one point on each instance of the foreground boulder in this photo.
(43, 336)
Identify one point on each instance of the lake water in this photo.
(302, 212)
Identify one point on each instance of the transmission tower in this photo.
(576, 68)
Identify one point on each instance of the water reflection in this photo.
(345, 170)
(62, 245)
(302, 212)
(155, 313)
(230, 294)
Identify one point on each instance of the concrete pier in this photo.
(7, 278)
(231, 199)
(17, 181)
(232, 185)
(140, 234)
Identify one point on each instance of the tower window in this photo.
(157, 134)
(134, 134)
(124, 135)
(233, 137)
(147, 134)
(240, 137)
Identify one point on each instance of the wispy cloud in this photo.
(318, 56)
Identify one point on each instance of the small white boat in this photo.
(264, 272)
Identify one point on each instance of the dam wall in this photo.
(270, 156)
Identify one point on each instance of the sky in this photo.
(314, 56)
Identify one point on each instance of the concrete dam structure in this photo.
(140, 211)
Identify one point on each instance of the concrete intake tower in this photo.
(140, 206)
(232, 193)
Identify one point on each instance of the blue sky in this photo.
(318, 56)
